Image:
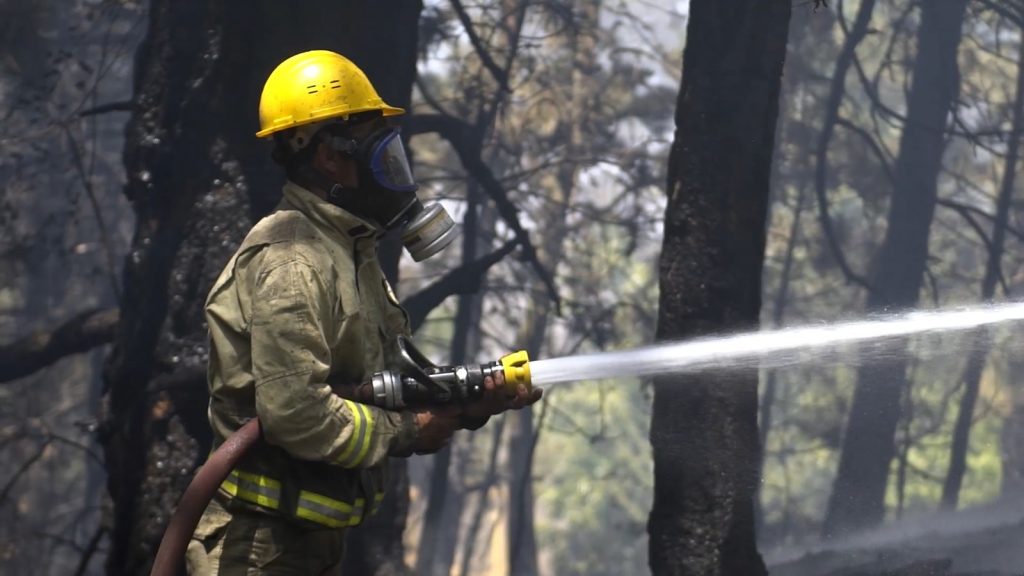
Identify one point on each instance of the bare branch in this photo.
(22, 469)
(101, 226)
(1005, 11)
(42, 348)
(962, 208)
(465, 279)
(837, 91)
(500, 76)
(873, 144)
(967, 213)
(460, 135)
(90, 550)
(124, 106)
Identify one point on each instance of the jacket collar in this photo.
(327, 215)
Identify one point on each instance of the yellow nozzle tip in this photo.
(517, 369)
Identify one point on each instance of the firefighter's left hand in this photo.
(497, 398)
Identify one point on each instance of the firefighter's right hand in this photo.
(434, 428)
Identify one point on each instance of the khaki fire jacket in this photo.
(302, 308)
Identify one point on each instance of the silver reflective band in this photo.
(431, 231)
(328, 511)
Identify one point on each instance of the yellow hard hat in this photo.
(315, 86)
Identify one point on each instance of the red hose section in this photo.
(200, 491)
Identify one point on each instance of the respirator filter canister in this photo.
(428, 232)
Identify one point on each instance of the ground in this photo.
(982, 541)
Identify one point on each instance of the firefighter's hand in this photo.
(497, 399)
(434, 428)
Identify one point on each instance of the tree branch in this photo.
(966, 212)
(875, 147)
(459, 134)
(90, 550)
(1008, 13)
(465, 279)
(22, 469)
(124, 106)
(42, 348)
(485, 57)
(962, 208)
(837, 90)
(101, 225)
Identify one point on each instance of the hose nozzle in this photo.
(517, 370)
(418, 381)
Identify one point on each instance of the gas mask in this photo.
(387, 193)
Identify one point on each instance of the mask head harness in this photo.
(386, 193)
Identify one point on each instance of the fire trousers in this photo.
(248, 543)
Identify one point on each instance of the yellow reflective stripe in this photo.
(257, 479)
(377, 499)
(312, 516)
(357, 429)
(366, 439)
(324, 500)
(253, 488)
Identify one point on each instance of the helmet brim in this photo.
(322, 115)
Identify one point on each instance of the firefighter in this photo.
(301, 313)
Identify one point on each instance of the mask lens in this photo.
(390, 165)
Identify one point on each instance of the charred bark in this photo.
(704, 427)
(198, 178)
(858, 495)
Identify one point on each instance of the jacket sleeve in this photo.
(291, 360)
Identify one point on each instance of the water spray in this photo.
(764, 349)
(415, 380)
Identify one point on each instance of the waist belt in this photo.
(265, 492)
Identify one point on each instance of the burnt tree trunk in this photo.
(858, 495)
(704, 427)
(198, 179)
(993, 272)
(1012, 436)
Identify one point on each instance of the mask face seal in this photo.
(428, 229)
(387, 193)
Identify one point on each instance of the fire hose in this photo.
(415, 382)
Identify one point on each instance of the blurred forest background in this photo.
(129, 175)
